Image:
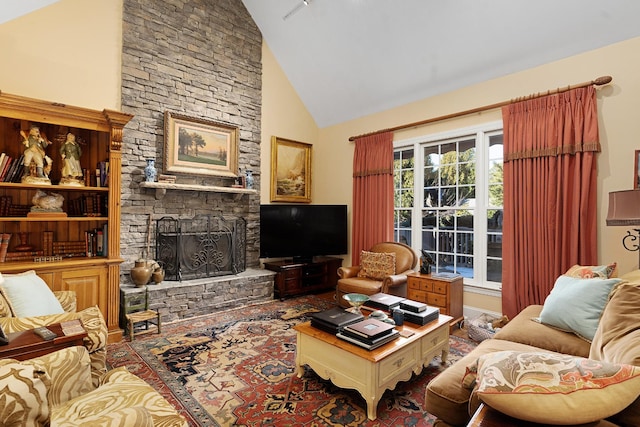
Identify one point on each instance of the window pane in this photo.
(430, 197)
(429, 219)
(465, 244)
(465, 266)
(449, 154)
(467, 173)
(403, 236)
(465, 220)
(430, 176)
(496, 195)
(494, 270)
(429, 240)
(403, 199)
(494, 245)
(494, 220)
(448, 197)
(403, 218)
(448, 175)
(467, 150)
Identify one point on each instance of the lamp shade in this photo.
(624, 208)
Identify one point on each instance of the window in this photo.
(448, 201)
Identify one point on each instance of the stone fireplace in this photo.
(201, 59)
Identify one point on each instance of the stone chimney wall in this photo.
(199, 58)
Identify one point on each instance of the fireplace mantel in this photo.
(162, 187)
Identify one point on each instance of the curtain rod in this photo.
(598, 82)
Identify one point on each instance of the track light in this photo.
(293, 11)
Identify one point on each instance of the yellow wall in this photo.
(285, 116)
(70, 52)
(66, 52)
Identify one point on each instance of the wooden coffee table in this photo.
(27, 345)
(371, 372)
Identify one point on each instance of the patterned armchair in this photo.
(91, 318)
(57, 390)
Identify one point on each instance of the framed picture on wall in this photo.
(636, 170)
(290, 171)
(200, 146)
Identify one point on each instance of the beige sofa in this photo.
(453, 400)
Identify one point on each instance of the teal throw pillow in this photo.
(575, 305)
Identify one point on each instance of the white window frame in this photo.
(481, 133)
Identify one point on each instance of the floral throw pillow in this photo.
(377, 265)
(551, 388)
(592, 271)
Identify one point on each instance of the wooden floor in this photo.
(460, 332)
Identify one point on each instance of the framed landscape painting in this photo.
(636, 170)
(200, 146)
(290, 171)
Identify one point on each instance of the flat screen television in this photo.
(302, 231)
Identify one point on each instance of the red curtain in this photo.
(550, 144)
(372, 193)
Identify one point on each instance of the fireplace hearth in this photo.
(202, 246)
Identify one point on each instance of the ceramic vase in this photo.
(249, 178)
(158, 274)
(141, 273)
(150, 171)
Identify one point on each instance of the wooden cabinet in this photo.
(90, 209)
(295, 278)
(445, 294)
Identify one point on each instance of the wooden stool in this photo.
(141, 313)
(142, 316)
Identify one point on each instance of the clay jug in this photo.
(141, 273)
(158, 274)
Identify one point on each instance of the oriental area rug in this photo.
(237, 368)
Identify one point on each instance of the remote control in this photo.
(44, 333)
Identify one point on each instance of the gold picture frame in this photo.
(200, 146)
(290, 171)
(636, 170)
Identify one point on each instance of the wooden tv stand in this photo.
(297, 278)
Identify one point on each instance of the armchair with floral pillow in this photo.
(383, 268)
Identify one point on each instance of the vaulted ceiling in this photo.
(351, 58)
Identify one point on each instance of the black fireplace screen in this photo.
(204, 246)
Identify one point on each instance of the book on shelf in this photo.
(369, 328)
(5, 238)
(382, 301)
(22, 256)
(372, 345)
(3, 161)
(47, 243)
(15, 175)
(99, 243)
(5, 204)
(10, 170)
(103, 169)
(334, 319)
(105, 239)
(413, 306)
(4, 168)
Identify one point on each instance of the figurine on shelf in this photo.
(70, 151)
(35, 144)
(47, 202)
